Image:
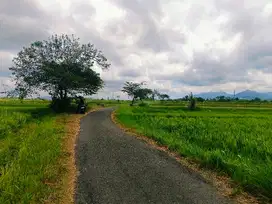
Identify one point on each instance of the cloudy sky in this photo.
(176, 46)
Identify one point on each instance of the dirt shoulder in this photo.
(65, 188)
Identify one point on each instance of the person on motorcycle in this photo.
(81, 107)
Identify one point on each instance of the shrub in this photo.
(192, 102)
(61, 105)
(143, 104)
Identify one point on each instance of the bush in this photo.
(192, 102)
(61, 105)
(143, 104)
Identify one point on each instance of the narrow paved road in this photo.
(117, 168)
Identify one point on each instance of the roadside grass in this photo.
(30, 143)
(231, 140)
(36, 152)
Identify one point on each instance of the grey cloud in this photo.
(141, 7)
(130, 73)
(22, 22)
(144, 14)
(107, 47)
(254, 51)
(83, 11)
(5, 62)
(20, 32)
(22, 8)
(205, 71)
(114, 84)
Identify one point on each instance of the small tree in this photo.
(154, 94)
(192, 102)
(164, 96)
(19, 92)
(61, 66)
(200, 99)
(118, 98)
(131, 89)
(143, 93)
(136, 91)
(185, 98)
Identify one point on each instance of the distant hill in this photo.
(207, 95)
(247, 94)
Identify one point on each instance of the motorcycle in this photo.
(82, 109)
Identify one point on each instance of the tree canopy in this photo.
(136, 91)
(60, 66)
(163, 96)
(154, 94)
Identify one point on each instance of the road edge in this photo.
(67, 184)
(224, 185)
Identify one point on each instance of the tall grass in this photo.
(235, 141)
(30, 145)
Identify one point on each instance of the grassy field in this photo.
(30, 145)
(236, 141)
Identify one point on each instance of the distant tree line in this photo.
(221, 99)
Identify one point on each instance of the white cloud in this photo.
(177, 46)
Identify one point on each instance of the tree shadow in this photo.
(40, 113)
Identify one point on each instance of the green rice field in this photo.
(30, 144)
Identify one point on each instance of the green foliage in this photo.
(155, 94)
(130, 88)
(236, 141)
(192, 102)
(30, 146)
(60, 66)
(163, 96)
(136, 91)
(143, 93)
(200, 99)
(143, 104)
(19, 92)
(61, 105)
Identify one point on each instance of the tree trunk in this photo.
(65, 94)
(133, 99)
(61, 94)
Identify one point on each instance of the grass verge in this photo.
(29, 149)
(36, 154)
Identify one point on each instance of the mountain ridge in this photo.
(247, 94)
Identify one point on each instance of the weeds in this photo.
(30, 144)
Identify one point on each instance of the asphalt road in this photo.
(118, 168)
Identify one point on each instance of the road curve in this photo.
(117, 168)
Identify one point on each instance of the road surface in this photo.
(117, 168)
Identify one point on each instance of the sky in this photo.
(175, 46)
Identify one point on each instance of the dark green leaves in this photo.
(60, 66)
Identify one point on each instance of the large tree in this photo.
(60, 66)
